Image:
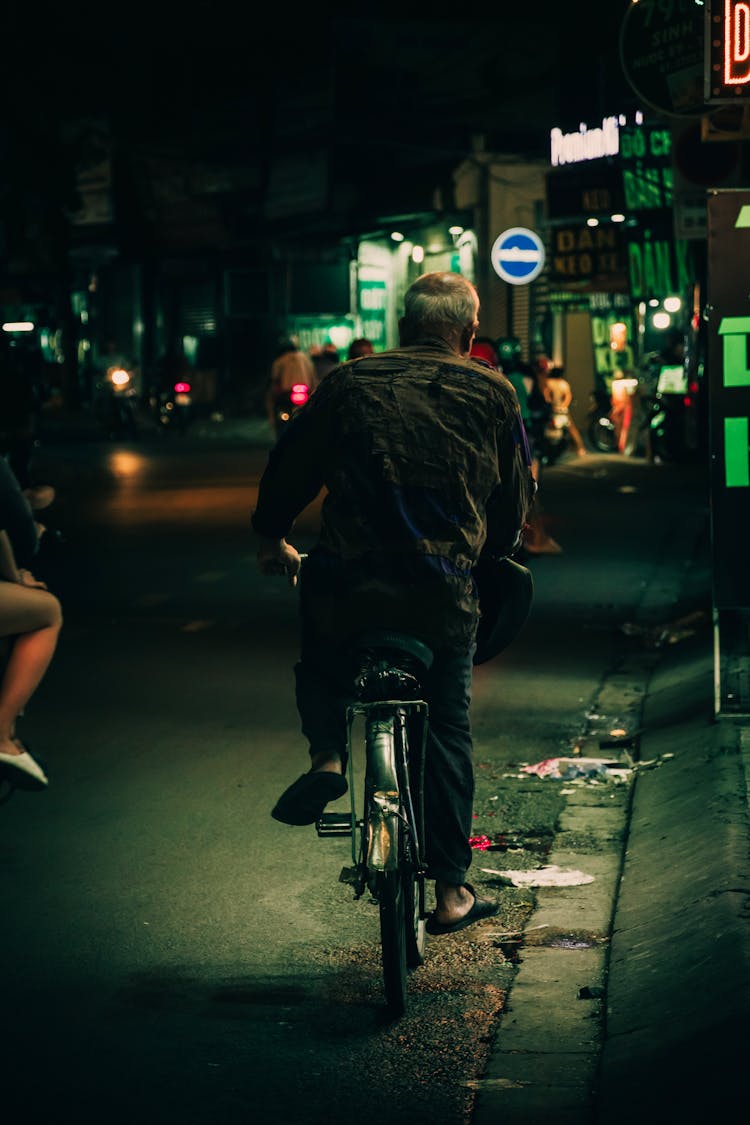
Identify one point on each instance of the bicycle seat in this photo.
(390, 665)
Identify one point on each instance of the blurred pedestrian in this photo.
(291, 366)
(558, 393)
(508, 351)
(536, 539)
(19, 409)
(484, 350)
(30, 623)
(359, 347)
(324, 360)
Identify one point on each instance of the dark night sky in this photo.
(405, 70)
(396, 100)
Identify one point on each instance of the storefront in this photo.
(621, 284)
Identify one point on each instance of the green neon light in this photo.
(743, 219)
(735, 369)
(736, 453)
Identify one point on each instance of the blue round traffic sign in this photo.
(518, 255)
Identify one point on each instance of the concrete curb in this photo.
(679, 975)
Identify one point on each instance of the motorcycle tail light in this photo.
(300, 394)
(182, 388)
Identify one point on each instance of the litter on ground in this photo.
(552, 876)
(656, 636)
(569, 768)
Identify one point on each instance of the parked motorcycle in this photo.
(175, 408)
(601, 431)
(673, 423)
(287, 404)
(554, 439)
(115, 403)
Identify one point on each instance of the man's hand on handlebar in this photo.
(277, 557)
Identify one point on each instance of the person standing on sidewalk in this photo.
(536, 538)
(557, 392)
(425, 463)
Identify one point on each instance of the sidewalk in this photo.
(632, 997)
(678, 989)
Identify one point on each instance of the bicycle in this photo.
(388, 838)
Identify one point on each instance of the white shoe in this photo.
(28, 773)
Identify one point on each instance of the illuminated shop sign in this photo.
(728, 367)
(371, 298)
(585, 144)
(658, 263)
(646, 162)
(662, 49)
(727, 72)
(584, 189)
(588, 259)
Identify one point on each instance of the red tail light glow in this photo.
(300, 394)
(182, 388)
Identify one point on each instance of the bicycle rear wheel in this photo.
(414, 919)
(402, 932)
(392, 903)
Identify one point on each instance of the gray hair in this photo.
(436, 301)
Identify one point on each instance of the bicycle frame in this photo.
(389, 773)
(388, 853)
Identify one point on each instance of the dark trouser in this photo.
(323, 678)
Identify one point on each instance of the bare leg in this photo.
(34, 618)
(581, 449)
(452, 902)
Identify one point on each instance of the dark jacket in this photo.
(424, 460)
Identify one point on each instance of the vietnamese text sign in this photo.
(662, 54)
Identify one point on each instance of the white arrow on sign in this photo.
(517, 255)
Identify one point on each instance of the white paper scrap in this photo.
(552, 876)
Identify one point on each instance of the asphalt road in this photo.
(170, 952)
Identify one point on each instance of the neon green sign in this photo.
(372, 309)
(735, 373)
(736, 447)
(735, 369)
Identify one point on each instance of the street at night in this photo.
(484, 277)
(172, 952)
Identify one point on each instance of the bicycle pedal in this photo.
(333, 824)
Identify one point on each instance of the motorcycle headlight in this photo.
(119, 377)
